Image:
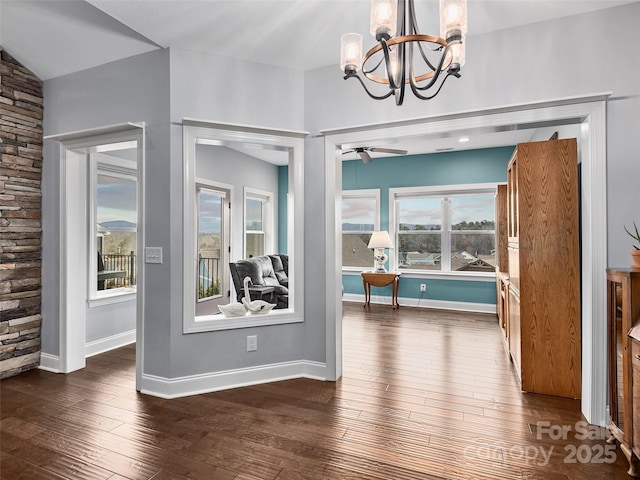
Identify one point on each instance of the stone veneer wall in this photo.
(20, 217)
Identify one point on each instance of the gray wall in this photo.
(561, 58)
(124, 91)
(109, 320)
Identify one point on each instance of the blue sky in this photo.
(422, 211)
(116, 199)
(210, 212)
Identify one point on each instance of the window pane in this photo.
(254, 215)
(210, 207)
(359, 215)
(116, 216)
(255, 244)
(354, 250)
(419, 213)
(421, 251)
(473, 252)
(473, 213)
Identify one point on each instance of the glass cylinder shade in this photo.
(351, 52)
(395, 65)
(455, 54)
(453, 18)
(384, 18)
(458, 52)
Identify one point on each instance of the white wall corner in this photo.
(50, 363)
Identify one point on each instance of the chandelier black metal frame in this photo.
(391, 61)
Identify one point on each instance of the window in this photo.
(289, 146)
(473, 233)
(419, 228)
(211, 204)
(113, 187)
(360, 217)
(445, 230)
(258, 228)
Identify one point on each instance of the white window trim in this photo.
(293, 142)
(268, 218)
(435, 191)
(363, 193)
(95, 297)
(212, 188)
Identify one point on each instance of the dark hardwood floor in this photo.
(425, 394)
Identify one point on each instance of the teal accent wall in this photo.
(448, 168)
(283, 190)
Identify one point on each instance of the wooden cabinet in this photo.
(544, 267)
(623, 318)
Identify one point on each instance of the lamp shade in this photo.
(380, 239)
(384, 18)
(351, 51)
(453, 18)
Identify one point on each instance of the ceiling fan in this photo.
(364, 152)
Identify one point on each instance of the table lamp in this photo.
(379, 241)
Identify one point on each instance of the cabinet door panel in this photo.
(514, 329)
(514, 267)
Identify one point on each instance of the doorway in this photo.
(589, 113)
(213, 206)
(101, 238)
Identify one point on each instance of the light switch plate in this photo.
(153, 255)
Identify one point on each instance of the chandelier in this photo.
(391, 61)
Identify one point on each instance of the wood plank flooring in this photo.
(425, 394)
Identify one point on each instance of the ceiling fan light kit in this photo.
(391, 62)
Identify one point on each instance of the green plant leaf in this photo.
(635, 236)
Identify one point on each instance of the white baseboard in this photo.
(109, 343)
(425, 303)
(212, 382)
(50, 363)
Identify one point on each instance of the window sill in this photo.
(208, 323)
(467, 276)
(355, 270)
(114, 295)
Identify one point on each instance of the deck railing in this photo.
(119, 262)
(208, 277)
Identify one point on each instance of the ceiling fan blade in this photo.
(344, 152)
(365, 156)
(388, 150)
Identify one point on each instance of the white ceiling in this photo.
(56, 37)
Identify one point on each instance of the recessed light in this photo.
(463, 139)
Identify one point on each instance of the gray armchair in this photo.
(269, 276)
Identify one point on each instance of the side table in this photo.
(380, 279)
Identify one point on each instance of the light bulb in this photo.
(452, 13)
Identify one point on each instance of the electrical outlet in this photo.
(252, 343)
(423, 287)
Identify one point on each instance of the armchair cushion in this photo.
(264, 271)
(279, 270)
